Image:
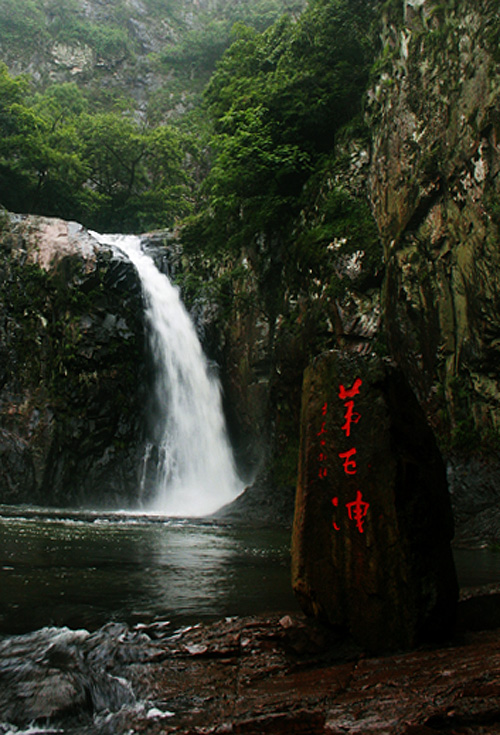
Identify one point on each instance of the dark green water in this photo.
(83, 570)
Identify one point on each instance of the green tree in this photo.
(278, 103)
(40, 170)
(21, 139)
(102, 169)
(135, 178)
(22, 25)
(61, 103)
(167, 196)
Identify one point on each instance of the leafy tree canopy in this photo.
(278, 100)
(102, 168)
(274, 109)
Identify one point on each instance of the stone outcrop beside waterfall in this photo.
(72, 367)
(434, 186)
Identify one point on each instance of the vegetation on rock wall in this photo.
(284, 215)
(58, 157)
(77, 141)
(158, 52)
(275, 191)
(434, 114)
(314, 164)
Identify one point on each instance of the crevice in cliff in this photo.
(428, 199)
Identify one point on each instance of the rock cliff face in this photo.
(434, 187)
(117, 48)
(71, 367)
(433, 184)
(117, 53)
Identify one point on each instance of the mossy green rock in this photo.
(435, 189)
(372, 529)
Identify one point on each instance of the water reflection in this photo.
(83, 570)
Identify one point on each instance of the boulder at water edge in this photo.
(373, 524)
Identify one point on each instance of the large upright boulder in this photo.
(372, 529)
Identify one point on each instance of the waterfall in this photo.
(195, 472)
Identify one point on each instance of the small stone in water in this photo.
(286, 621)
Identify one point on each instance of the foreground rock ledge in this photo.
(252, 676)
(294, 676)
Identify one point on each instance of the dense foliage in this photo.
(278, 100)
(102, 168)
(203, 46)
(282, 102)
(276, 106)
(86, 152)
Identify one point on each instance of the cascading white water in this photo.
(196, 473)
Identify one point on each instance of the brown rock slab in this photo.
(268, 686)
(373, 524)
(262, 675)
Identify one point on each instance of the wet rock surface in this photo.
(475, 494)
(434, 186)
(261, 505)
(257, 675)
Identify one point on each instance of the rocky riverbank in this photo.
(255, 675)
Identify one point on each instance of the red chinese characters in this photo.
(335, 502)
(351, 417)
(349, 463)
(350, 392)
(357, 510)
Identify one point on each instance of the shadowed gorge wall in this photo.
(434, 188)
